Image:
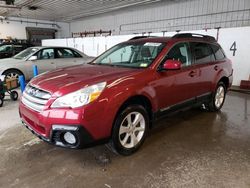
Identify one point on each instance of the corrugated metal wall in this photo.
(171, 15)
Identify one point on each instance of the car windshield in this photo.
(132, 55)
(26, 53)
(5, 48)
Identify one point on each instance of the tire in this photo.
(218, 98)
(1, 102)
(13, 95)
(12, 74)
(127, 137)
(2, 95)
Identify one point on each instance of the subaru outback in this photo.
(116, 97)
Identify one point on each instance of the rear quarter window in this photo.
(218, 52)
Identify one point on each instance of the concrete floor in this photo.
(189, 149)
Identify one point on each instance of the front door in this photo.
(45, 61)
(175, 87)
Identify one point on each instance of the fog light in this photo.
(69, 138)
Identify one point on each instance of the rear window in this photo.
(202, 53)
(218, 52)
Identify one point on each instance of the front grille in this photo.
(35, 98)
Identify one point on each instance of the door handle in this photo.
(216, 67)
(192, 73)
(52, 63)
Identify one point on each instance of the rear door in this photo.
(203, 60)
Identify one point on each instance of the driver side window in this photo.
(180, 52)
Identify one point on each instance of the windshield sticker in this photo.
(143, 65)
(152, 44)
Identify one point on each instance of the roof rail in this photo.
(140, 37)
(194, 35)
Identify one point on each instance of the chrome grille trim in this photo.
(34, 98)
(31, 105)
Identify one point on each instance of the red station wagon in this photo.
(117, 96)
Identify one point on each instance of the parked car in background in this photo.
(117, 96)
(9, 50)
(46, 59)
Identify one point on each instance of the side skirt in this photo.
(182, 106)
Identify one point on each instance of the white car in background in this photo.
(46, 59)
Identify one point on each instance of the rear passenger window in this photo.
(202, 53)
(219, 55)
(64, 53)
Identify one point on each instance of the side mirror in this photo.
(33, 58)
(171, 65)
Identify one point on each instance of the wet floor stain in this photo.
(190, 149)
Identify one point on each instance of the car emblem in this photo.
(32, 91)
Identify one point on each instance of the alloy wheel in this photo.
(132, 130)
(12, 75)
(219, 96)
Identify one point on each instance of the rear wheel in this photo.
(218, 98)
(130, 130)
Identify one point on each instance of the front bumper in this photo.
(90, 124)
(83, 138)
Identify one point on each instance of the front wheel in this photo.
(130, 130)
(218, 98)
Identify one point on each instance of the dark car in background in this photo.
(9, 50)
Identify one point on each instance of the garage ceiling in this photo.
(65, 10)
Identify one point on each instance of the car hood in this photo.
(65, 80)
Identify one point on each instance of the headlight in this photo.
(80, 97)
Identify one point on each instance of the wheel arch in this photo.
(140, 100)
(12, 69)
(225, 80)
(222, 76)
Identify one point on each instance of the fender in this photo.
(121, 95)
(221, 73)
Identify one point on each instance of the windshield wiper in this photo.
(104, 64)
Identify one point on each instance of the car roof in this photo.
(42, 47)
(149, 39)
(177, 37)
